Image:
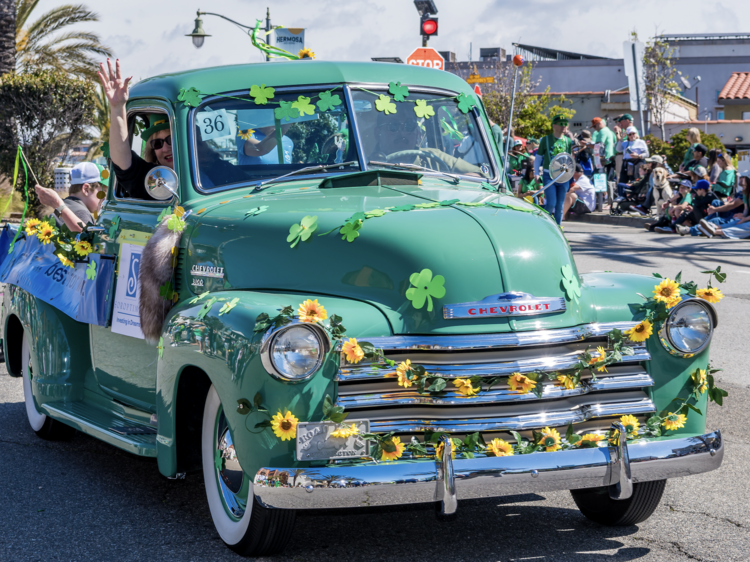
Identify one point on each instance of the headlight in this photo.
(293, 353)
(689, 328)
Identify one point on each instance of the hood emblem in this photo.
(504, 304)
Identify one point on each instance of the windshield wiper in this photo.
(454, 177)
(307, 169)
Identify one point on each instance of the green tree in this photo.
(659, 78)
(101, 123)
(45, 112)
(47, 43)
(677, 146)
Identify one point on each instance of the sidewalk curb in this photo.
(606, 218)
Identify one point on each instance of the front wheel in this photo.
(243, 524)
(596, 504)
(44, 426)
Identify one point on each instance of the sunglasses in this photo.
(408, 127)
(156, 144)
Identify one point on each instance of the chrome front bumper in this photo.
(424, 481)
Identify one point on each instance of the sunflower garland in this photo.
(69, 247)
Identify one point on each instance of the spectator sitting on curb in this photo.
(710, 225)
(713, 166)
(693, 136)
(639, 187)
(675, 206)
(581, 197)
(657, 195)
(702, 200)
(698, 173)
(699, 157)
(724, 186)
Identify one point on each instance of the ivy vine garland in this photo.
(388, 446)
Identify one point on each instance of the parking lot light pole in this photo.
(199, 35)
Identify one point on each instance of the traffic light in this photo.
(428, 26)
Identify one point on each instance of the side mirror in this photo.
(562, 167)
(162, 183)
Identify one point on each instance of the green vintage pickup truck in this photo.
(360, 314)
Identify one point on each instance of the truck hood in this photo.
(480, 251)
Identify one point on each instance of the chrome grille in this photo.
(369, 392)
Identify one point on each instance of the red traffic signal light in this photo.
(429, 27)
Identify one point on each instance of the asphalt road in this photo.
(84, 500)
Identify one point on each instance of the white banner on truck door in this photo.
(291, 39)
(126, 318)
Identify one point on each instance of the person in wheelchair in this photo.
(401, 139)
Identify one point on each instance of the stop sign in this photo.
(424, 56)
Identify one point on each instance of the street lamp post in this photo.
(199, 35)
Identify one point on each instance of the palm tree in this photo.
(7, 36)
(45, 43)
(101, 123)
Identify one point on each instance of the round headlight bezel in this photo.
(665, 335)
(271, 338)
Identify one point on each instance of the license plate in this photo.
(315, 443)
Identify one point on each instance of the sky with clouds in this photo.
(149, 35)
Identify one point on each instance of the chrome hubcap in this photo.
(233, 485)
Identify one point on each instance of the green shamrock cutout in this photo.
(105, 150)
(427, 205)
(227, 306)
(285, 111)
(465, 103)
(205, 308)
(113, 226)
(350, 231)
(175, 224)
(359, 216)
(200, 298)
(570, 283)
(449, 202)
(375, 213)
(164, 212)
(384, 104)
(261, 94)
(488, 186)
(190, 97)
(91, 271)
(303, 230)
(219, 460)
(423, 110)
(470, 204)
(166, 291)
(327, 101)
(160, 347)
(407, 207)
(398, 91)
(255, 211)
(497, 205)
(425, 288)
(304, 106)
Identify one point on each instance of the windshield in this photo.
(434, 134)
(240, 140)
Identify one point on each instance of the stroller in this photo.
(633, 195)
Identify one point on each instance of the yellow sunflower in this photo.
(674, 421)
(245, 135)
(65, 261)
(699, 380)
(631, 424)
(386, 456)
(32, 225)
(306, 54)
(345, 431)
(550, 439)
(402, 371)
(284, 425)
(83, 248)
(591, 438)
(668, 292)
(311, 311)
(352, 351)
(640, 332)
(599, 358)
(520, 383)
(500, 448)
(464, 387)
(566, 381)
(710, 294)
(439, 449)
(45, 233)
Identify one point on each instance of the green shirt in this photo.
(725, 184)
(687, 199)
(688, 154)
(517, 162)
(531, 185)
(497, 134)
(607, 138)
(549, 147)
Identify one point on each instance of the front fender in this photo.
(226, 349)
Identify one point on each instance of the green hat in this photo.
(157, 122)
(559, 120)
(624, 116)
(103, 175)
(532, 140)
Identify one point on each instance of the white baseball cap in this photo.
(631, 129)
(84, 172)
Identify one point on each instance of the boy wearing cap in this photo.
(517, 158)
(549, 147)
(88, 187)
(698, 209)
(699, 157)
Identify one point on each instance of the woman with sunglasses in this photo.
(130, 168)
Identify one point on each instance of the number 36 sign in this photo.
(215, 124)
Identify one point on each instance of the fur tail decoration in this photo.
(155, 271)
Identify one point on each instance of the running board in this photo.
(123, 433)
